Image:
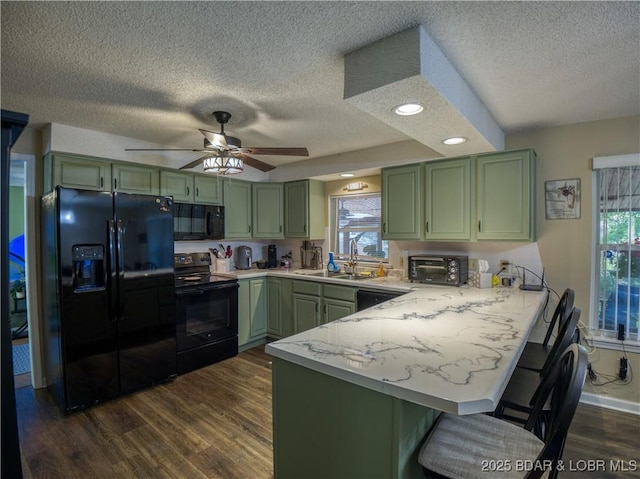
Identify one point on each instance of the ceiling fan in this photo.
(221, 148)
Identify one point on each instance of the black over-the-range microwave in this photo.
(193, 221)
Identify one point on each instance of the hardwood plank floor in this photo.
(216, 423)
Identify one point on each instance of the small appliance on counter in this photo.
(272, 256)
(445, 270)
(244, 257)
(310, 256)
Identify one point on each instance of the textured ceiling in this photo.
(156, 70)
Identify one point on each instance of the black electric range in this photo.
(206, 313)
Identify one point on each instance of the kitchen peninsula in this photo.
(354, 397)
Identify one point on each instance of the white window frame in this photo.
(602, 338)
(362, 259)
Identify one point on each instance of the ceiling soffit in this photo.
(410, 67)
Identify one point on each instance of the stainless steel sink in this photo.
(353, 277)
(306, 272)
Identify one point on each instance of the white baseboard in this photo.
(610, 403)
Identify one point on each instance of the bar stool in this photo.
(478, 445)
(521, 393)
(534, 355)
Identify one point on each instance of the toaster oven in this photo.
(445, 270)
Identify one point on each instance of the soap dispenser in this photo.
(331, 265)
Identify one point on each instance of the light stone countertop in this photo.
(452, 349)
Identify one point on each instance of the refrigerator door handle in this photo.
(120, 288)
(113, 271)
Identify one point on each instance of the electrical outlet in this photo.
(505, 265)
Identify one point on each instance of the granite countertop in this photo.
(451, 349)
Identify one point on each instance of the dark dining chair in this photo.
(524, 386)
(483, 446)
(535, 354)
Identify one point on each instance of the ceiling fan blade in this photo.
(193, 163)
(217, 140)
(252, 162)
(163, 149)
(293, 151)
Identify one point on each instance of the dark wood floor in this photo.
(216, 423)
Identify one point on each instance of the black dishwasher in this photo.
(369, 297)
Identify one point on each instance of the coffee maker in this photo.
(272, 256)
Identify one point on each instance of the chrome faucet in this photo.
(353, 255)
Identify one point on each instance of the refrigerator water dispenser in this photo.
(88, 267)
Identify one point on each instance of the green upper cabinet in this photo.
(178, 185)
(191, 188)
(448, 200)
(268, 210)
(505, 186)
(237, 205)
(207, 189)
(300, 199)
(127, 178)
(402, 216)
(77, 172)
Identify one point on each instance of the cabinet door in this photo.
(208, 189)
(402, 203)
(244, 312)
(448, 200)
(258, 307)
(268, 210)
(135, 179)
(301, 197)
(237, 215)
(306, 312)
(296, 209)
(505, 196)
(335, 309)
(274, 322)
(288, 327)
(86, 174)
(178, 185)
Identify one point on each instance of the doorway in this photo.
(19, 318)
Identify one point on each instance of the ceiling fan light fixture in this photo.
(223, 164)
(454, 140)
(408, 109)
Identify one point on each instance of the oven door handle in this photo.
(205, 289)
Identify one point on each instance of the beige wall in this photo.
(565, 245)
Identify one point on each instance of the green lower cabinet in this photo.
(335, 309)
(280, 319)
(315, 303)
(306, 312)
(252, 311)
(324, 427)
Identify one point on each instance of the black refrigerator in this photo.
(108, 294)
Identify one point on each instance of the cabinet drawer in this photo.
(344, 293)
(307, 287)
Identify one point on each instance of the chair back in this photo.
(564, 338)
(564, 383)
(561, 313)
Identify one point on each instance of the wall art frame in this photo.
(562, 199)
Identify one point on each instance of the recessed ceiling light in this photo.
(454, 140)
(407, 109)
(347, 175)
